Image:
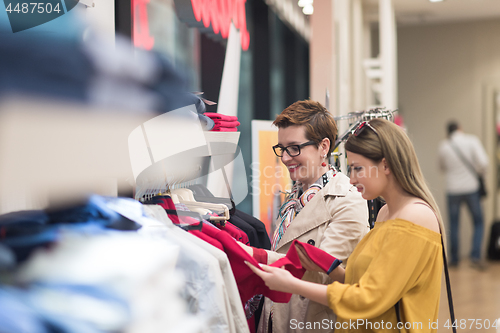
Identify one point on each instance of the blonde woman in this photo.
(400, 261)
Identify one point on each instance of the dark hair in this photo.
(452, 127)
(316, 119)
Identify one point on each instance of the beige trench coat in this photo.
(334, 220)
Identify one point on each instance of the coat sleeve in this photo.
(394, 270)
(348, 224)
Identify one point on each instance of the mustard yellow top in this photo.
(397, 260)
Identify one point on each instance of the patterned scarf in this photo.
(295, 201)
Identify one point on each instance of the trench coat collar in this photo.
(315, 213)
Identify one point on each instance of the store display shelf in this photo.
(222, 142)
(53, 150)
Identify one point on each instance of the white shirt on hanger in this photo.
(235, 312)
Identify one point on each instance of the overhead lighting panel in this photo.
(303, 3)
(307, 6)
(308, 10)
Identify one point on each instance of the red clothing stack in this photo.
(223, 123)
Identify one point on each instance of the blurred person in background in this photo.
(462, 158)
(322, 209)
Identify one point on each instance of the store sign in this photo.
(215, 15)
(141, 36)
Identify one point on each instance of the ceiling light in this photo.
(435, 0)
(308, 10)
(303, 3)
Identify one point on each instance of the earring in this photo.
(324, 163)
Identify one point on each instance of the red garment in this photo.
(235, 232)
(321, 258)
(207, 239)
(222, 123)
(167, 203)
(250, 284)
(220, 116)
(225, 129)
(260, 255)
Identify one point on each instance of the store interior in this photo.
(107, 101)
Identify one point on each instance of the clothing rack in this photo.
(356, 117)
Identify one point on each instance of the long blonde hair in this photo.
(391, 142)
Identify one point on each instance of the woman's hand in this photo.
(278, 279)
(305, 261)
(247, 248)
(338, 274)
(282, 280)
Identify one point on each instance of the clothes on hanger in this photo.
(228, 227)
(25, 231)
(106, 265)
(238, 316)
(254, 228)
(119, 263)
(250, 232)
(248, 283)
(25, 310)
(262, 235)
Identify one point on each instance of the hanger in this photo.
(202, 193)
(187, 226)
(177, 213)
(214, 207)
(186, 197)
(184, 194)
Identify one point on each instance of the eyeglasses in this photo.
(362, 126)
(292, 150)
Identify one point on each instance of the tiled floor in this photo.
(476, 296)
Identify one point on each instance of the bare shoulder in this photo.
(382, 214)
(420, 214)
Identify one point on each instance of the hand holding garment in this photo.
(325, 261)
(250, 284)
(397, 261)
(334, 220)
